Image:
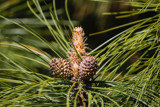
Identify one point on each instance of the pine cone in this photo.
(61, 68)
(88, 68)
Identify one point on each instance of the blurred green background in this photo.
(129, 61)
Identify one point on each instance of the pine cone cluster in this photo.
(79, 67)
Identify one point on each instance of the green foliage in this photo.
(24, 71)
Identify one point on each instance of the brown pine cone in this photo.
(61, 68)
(88, 68)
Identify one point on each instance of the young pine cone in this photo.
(61, 68)
(87, 68)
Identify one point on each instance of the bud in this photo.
(78, 42)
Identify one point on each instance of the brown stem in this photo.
(81, 99)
